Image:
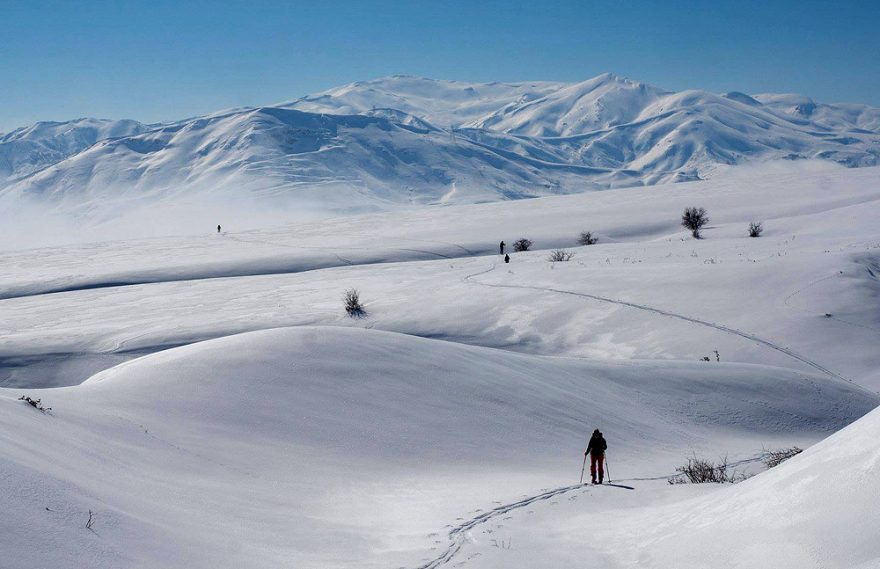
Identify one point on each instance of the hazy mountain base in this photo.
(397, 142)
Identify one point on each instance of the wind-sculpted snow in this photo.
(646, 290)
(805, 513)
(219, 408)
(399, 141)
(332, 447)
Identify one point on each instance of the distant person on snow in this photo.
(502, 248)
(506, 258)
(596, 449)
(218, 229)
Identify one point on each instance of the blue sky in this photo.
(159, 60)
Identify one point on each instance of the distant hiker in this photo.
(506, 258)
(596, 449)
(502, 248)
(218, 229)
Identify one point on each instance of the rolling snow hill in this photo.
(433, 273)
(815, 510)
(270, 449)
(213, 405)
(401, 141)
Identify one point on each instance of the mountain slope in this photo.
(335, 162)
(376, 145)
(29, 149)
(441, 102)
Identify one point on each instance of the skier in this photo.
(502, 248)
(218, 229)
(506, 258)
(596, 450)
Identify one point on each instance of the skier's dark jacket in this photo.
(597, 445)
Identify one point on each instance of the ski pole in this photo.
(583, 468)
(608, 470)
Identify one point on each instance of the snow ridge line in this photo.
(143, 278)
(647, 308)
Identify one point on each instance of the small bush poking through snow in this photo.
(35, 403)
(353, 306)
(587, 238)
(756, 228)
(560, 255)
(522, 244)
(776, 457)
(694, 218)
(701, 471)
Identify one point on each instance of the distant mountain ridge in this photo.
(398, 140)
(28, 149)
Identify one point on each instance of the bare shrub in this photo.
(778, 456)
(353, 306)
(756, 228)
(694, 218)
(702, 471)
(91, 520)
(523, 244)
(560, 255)
(35, 403)
(587, 238)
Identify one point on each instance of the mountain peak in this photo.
(420, 140)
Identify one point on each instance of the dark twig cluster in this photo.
(560, 255)
(522, 244)
(35, 403)
(352, 303)
(587, 238)
(702, 471)
(778, 456)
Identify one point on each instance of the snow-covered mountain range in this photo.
(374, 144)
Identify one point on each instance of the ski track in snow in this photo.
(471, 278)
(787, 303)
(721, 327)
(458, 535)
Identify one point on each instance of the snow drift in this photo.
(814, 511)
(350, 448)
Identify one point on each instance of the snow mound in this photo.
(340, 447)
(815, 510)
(803, 503)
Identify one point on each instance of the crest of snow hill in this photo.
(400, 140)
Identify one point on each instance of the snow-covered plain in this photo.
(250, 423)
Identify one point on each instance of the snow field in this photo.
(272, 448)
(279, 432)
